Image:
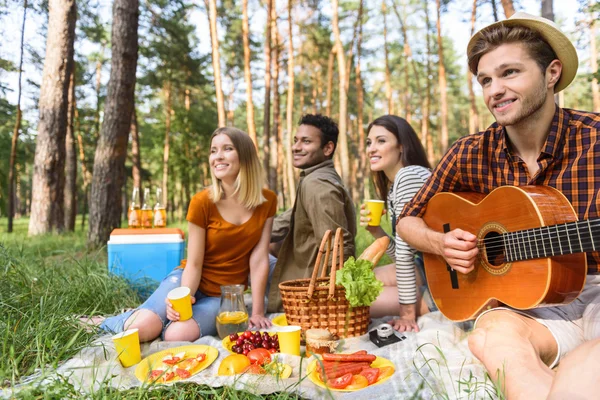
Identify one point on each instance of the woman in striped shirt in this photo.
(399, 168)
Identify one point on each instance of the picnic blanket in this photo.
(434, 362)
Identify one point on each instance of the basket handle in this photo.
(325, 244)
(338, 257)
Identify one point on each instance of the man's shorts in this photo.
(571, 324)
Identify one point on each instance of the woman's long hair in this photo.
(250, 180)
(413, 152)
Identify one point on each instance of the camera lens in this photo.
(384, 331)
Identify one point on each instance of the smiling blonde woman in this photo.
(235, 209)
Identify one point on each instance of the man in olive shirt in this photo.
(322, 203)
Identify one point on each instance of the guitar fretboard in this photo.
(553, 240)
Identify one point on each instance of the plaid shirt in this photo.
(569, 162)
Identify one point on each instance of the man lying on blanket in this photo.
(520, 64)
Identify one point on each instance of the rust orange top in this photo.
(228, 246)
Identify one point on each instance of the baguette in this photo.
(376, 250)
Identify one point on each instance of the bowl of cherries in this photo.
(243, 342)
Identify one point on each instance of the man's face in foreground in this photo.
(513, 86)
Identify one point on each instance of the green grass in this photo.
(49, 280)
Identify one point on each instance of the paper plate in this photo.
(154, 361)
(228, 344)
(379, 362)
(280, 320)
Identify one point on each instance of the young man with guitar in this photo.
(496, 242)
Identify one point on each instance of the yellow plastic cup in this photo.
(375, 208)
(180, 299)
(289, 339)
(127, 345)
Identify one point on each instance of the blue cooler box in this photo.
(145, 257)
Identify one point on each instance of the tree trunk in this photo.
(594, 66)
(407, 51)
(85, 174)
(267, 105)
(547, 9)
(494, 10)
(509, 9)
(301, 95)
(362, 166)
(18, 192)
(314, 92)
(341, 59)
(98, 86)
(47, 208)
(351, 55)
(319, 98)
(548, 13)
(330, 80)
(409, 58)
(276, 160)
(426, 136)
(281, 172)
(136, 155)
(248, 75)
(109, 161)
(473, 113)
(70, 162)
(388, 78)
(216, 60)
(187, 178)
(230, 110)
(168, 106)
(442, 83)
(290, 108)
(15, 137)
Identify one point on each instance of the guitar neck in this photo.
(553, 240)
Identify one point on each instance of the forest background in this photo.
(97, 97)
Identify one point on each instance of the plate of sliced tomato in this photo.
(175, 364)
(350, 372)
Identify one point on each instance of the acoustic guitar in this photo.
(531, 250)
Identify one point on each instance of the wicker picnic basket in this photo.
(319, 302)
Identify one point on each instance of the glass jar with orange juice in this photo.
(233, 315)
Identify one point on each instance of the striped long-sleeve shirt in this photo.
(407, 183)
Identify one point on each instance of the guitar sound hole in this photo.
(494, 248)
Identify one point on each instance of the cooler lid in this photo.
(144, 232)
(144, 239)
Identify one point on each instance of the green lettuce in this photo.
(358, 278)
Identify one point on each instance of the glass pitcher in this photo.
(233, 316)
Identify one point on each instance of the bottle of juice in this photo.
(160, 213)
(146, 221)
(134, 214)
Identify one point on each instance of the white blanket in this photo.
(434, 363)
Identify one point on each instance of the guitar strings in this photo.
(528, 241)
(551, 231)
(530, 244)
(501, 258)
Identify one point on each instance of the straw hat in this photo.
(562, 46)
